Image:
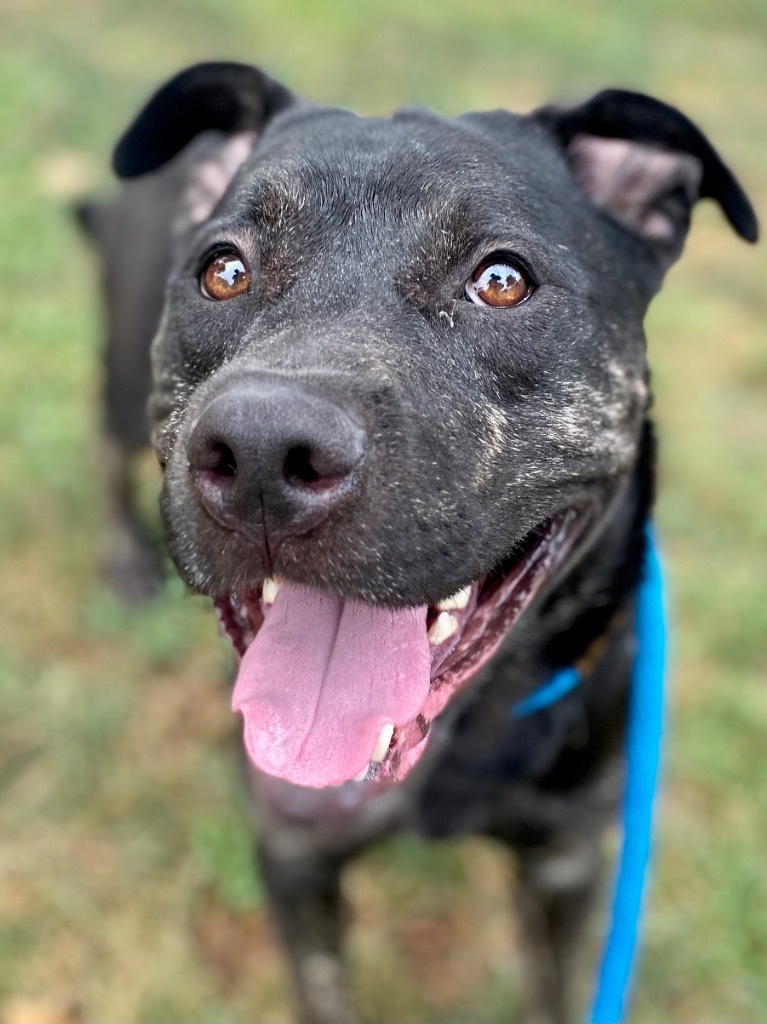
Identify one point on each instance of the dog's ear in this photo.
(645, 164)
(226, 97)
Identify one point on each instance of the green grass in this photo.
(126, 890)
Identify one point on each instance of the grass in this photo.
(126, 890)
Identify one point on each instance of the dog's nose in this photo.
(274, 454)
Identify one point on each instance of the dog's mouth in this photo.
(333, 690)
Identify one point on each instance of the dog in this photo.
(401, 403)
(132, 292)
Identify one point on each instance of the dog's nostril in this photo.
(310, 470)
(297, 469)
(216, 459)
(224, 462)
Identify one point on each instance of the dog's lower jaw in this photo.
(443, 647)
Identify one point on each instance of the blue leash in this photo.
(643, 747)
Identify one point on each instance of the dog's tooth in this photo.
(361, 776)
(457, 602)
(382, 743)
(442, 628)
(270, 588)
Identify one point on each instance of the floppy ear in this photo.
(223, 96)
(646, 164)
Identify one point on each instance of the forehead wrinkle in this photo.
(274, 192)
(430, 218)
(403, 179)
(389, 204)
(378, 165)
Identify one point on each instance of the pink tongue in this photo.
(322, 677)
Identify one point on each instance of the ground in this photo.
(126, 890)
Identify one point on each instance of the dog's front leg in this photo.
(557, 884)
(307, 906)
(132, 564)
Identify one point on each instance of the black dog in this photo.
(401, 402)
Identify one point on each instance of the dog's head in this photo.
(400, 380)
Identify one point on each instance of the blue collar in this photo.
(643, 748)
(555, 688)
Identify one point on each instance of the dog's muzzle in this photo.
(272, 456)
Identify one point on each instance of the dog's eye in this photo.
(224, 276)
(498, 281)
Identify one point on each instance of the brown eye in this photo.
(224, 276)
(498, 282)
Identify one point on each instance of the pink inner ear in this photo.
(212, 175)
(629, 180)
